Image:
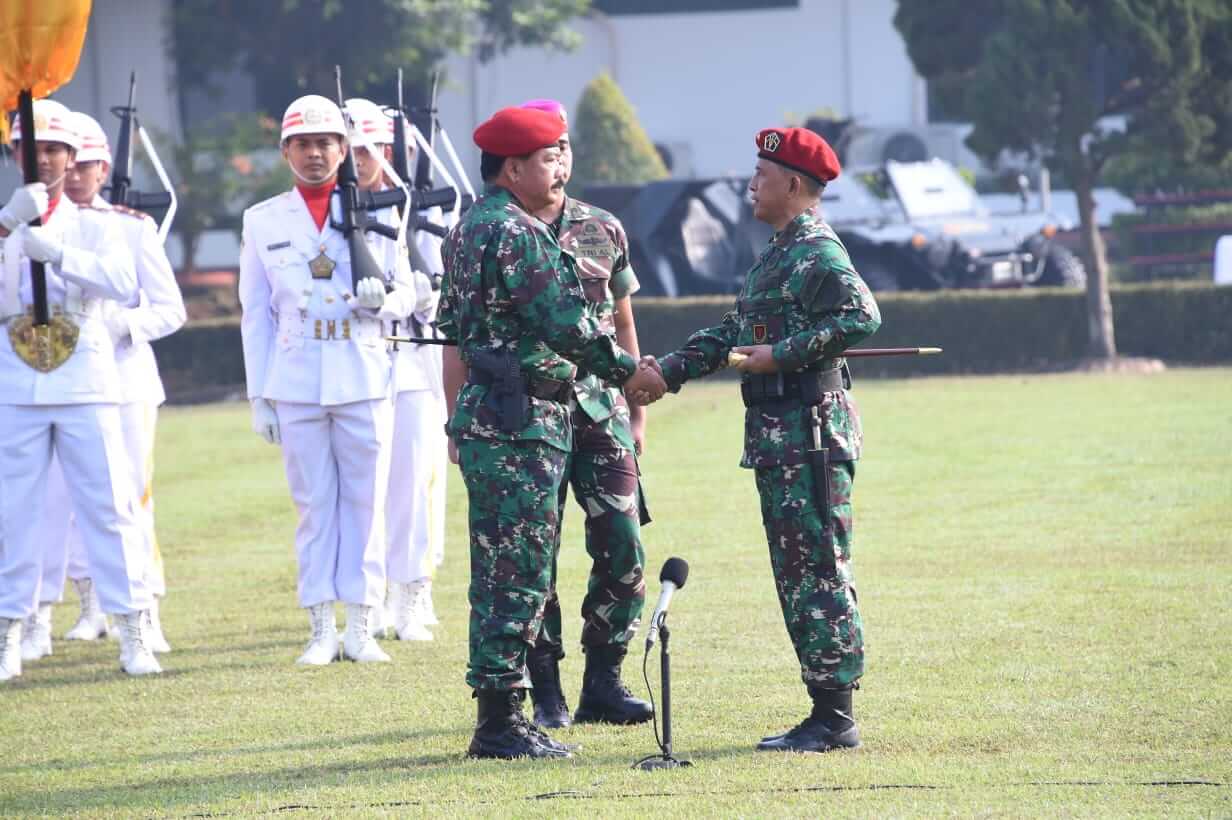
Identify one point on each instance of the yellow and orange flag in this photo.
(40, 43)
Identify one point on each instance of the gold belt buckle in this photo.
(44, 347)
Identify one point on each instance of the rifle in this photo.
(119, 191)
(422, 195)
(423, 168)
(355, 219)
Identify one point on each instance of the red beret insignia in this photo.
(801, 150)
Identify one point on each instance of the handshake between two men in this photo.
(647, 384)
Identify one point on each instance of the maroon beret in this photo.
(800, 150)
(515, 132)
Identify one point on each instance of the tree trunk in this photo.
(190, 241)
(1100, 335)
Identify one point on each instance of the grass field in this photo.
(1044, 566)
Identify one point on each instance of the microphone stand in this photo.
(666, 760)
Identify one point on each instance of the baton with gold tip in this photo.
(734, 358)
(421, 340)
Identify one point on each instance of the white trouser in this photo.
(90, 445)
(337, 463)
(436, 483)
(65, 554)
(410, 514)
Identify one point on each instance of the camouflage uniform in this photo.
(603, 465)
(804, 297)
(508, 289)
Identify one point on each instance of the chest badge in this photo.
(322, 266)
(759, 333)
(43, 347)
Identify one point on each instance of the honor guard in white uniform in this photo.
(419, 414)
(320, 377)
(158, 312)
(60, 398)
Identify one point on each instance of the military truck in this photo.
(921, 226)
(907, 225)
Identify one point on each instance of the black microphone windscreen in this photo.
(675, 570)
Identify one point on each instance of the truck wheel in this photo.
(1062, 268)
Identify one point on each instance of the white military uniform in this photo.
(327, 370)
(71, 413)
(415, 479)
(158, 312)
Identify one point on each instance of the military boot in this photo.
(829, 726)
(551, 710)
(503, 732)
(605, 698)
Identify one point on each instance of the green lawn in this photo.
(1044, 566)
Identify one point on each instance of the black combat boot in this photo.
(538, 734)
(605, 698)
(503, 732)
(551, 710)
(829, 726)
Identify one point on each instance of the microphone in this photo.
(673, 575)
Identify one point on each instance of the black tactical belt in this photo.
(556, 390)
(806, 386)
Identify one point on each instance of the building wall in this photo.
(708, 81)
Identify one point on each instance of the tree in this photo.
(609, 143)
(1079, 82)
(217, 175)
(290, 47)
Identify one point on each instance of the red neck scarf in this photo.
(317, 200)
(51, 208)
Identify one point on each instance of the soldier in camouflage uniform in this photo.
(516, 309)
(603, 471)
(802, 305)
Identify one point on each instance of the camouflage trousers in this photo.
(513, 490)
(604, 476)
(812, 571)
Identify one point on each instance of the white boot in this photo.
(36, 635)
(358, 643)
(154, 630)
(408, 617)
(10, 648)
(323, 646)
(427, 612)
(382, 616)
(92, 623)
(135, 655)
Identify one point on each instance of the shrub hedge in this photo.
(981, 331)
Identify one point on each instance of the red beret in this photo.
(800, 150)
(515, 132)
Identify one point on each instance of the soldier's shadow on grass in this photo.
(332, 743)
(163, 793)
(95, 672)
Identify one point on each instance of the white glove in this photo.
(117, 326)
(42, 245)
(370, 293)
(265, 421)
(26, 203)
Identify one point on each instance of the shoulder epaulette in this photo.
(133, 212)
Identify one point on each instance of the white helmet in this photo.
(312, 114)
(52, 123)
(369, 122)
(94, 146)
